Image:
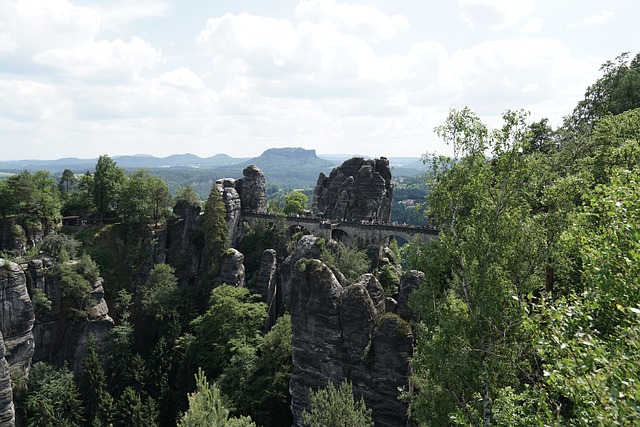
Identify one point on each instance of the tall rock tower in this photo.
(358, 190)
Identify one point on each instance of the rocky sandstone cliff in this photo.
(343, 332)
(16, 337)
(7, 412)
(59, 339)
(358, 190)
(16, 319)
(247, 194)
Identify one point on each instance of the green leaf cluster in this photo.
(336, 407)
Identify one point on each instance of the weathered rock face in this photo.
(318, 354)
(343, 333)
(16, 318)
(232, 203)
(253, 190)
(307, 247)
(267, 284)
(247, 194)
(7, 412)
(409, 281)
(232, 270)
(59, 339)
(179, 246)
(358, 190)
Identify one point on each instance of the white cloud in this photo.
(495, 14)
(7, 43)
(182, 78)
(103, 60)
(532, 25)
(117, 13)
(596, 19)
(363, 21)
(37, 25)
(27, 100)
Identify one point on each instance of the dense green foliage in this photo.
(295, 203)
(207, 409)
(233, 317)
(98, 403)
(530, 305)
(528, 314)
(214, 230)
(52, 398)
(351, 261)
(107, 182)
(336, 407)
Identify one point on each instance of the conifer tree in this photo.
(97, 400)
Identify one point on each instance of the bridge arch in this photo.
(401, 240)
(340, 235)
(296, 230)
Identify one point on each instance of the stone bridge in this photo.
(345, 232)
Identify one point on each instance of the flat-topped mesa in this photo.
(358, 190)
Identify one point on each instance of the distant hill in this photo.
(139, 161)
(283, 167)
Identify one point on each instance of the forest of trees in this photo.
(529, 313)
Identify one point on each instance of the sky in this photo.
(81, 78)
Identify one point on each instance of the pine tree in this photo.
(336, 407)
(97, 400)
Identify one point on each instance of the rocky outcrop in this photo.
(232, 270)
(228, 189)
(358, 190)
(17, 235)
(7, 412)
(409, 281)
(253, 193)
(344, 333)
(16, 318)
(247, 194)
(59, 338)
(267, 285)
(179, 244)
(307, 247)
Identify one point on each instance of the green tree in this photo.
(257, 378)
(187, 196)
(389, 280)
(131, 410)
(234, 317)
(206, 408)
(107, 182)
(490, 255)
(295, 203)
(590, 339)
(161, 297)
(80, 202)
(67, 182)
(351, 261)
(331, 407)
(60, 247)
(98, 402)
(143, 198)
(617, 91)
(52, 398)
(214, 232)
(121, 354)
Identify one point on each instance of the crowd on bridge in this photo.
(322, 220)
